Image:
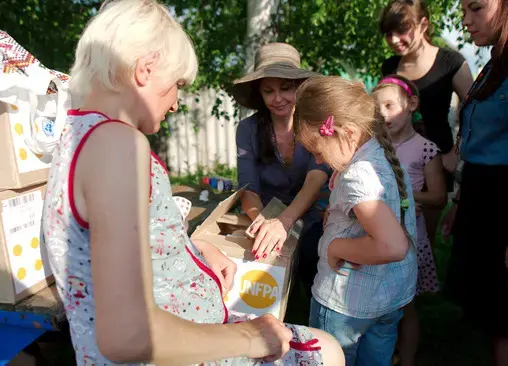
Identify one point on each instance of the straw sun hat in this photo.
(274, 60)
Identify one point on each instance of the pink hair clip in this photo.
(326, 128)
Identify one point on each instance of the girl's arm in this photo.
(385, 241)
(112, 191)
(435, 195)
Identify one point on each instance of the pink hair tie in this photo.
(326, 128)
(403, 85)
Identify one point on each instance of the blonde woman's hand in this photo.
(269, 338)
(221, 265)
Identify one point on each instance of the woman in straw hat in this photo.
(270, 160)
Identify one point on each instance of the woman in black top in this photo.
(437, 72)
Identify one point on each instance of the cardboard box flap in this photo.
(222, 209)
(235, 219)
(244, 244)
(241, 249)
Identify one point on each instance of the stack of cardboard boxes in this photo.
(24, 267)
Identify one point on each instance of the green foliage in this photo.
(331, 35)
(49, 29)
(334, 37)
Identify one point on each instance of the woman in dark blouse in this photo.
(272, 163)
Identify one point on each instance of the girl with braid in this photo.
(367, 259)
(398, 100)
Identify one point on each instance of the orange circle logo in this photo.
(258, 289)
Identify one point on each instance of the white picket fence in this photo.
(198, 139)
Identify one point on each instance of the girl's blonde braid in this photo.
(385, 141)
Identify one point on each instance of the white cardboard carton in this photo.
(19, 166)
(24, 267)
(261, 286)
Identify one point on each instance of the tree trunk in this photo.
(259, 32)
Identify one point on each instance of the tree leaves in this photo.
(333, 37)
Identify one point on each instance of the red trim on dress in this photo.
(72, 169)
(79, 112)
(209, 272)
(159, 160)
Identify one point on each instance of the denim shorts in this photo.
(365, 342)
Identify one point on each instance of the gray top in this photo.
(273, 179)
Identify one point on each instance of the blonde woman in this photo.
(136, 289)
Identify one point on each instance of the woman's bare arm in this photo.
(305, 198)
(113, 177)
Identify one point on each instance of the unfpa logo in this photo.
(258, 289)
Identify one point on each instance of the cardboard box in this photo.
(19, 166)
(260, 286)
(24, 267)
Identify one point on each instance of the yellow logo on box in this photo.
(258, 289)
(21, 273)
(34, 243)
(38, 264)
(18, 127)
(17, 250)
(23, 154)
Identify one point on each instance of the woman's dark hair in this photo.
(499, 71)
(265, 126)
(265, 135)
(402, 15)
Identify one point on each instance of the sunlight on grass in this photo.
(192, 179)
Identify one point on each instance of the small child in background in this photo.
(367, 260)
(398, 101)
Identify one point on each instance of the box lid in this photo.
(219, 211)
